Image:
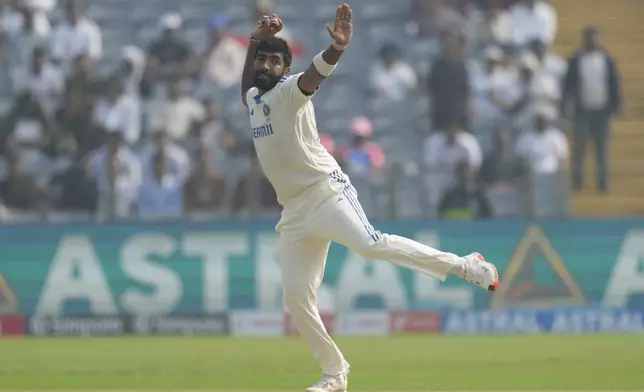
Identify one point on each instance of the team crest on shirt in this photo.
(266, 110)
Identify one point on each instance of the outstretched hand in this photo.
(267, 27)
(342, 31)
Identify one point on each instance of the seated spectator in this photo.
(28, 132)
(77, 35)
(549, 62)
(464, 200)
(19, 190)
(449, 82)
(43, 80)
(170, 55)
(444, 150)
(118, 175)
(492, 87)
(205, 188)
(434, 17)
(82, 77)
(215, 135)
(131, 71)
(18, 13)
(362, 157)
(545, 147)
(118, 110)
(533, 19)
(75, 122)
(225, 56)
(391, 77)
(179, 113)
(45, 6)
(22, 42)
(178, 160)
(161, 192)
(75, 189)
(495, 28)
(501, 165)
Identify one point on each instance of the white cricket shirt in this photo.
(286, 139)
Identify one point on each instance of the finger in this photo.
(349, 14)
(338, 14)
(329, 29)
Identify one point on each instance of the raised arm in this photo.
(266, 27)
(325, 62)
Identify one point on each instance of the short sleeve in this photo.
(291, 91)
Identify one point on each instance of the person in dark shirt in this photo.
(170, 54)
(501, 164)
(19, 191)
(465, 200)
(449, 86)
(75, 189)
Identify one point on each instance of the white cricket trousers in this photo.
(303, 249)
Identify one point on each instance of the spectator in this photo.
(118, 175)
(131, 71)
(549, 62)
(391, 77)
(362, 157)
(592, 86)
(45, 6)
(118, 110)
(465, 200)
(215, 135)
(170, 55)
(204, 190)
(449, 82)
(495, 28)
(161, 192)
(178, 160)
(501, 165)
(75, 189)
(28, 36)
(444, 150)
(225, 57)
(77, 35)
(83, 78)
(179, 113)
(19, 190)
(433, 17)
(43, 80)
(75, 119)
(544, 147)
(533, 19)
(15, 17)
(492, 89)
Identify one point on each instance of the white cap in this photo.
(170, 21)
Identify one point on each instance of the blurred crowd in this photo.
(154, 129)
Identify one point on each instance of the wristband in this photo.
(322, 66)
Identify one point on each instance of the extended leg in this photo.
(343, 221)
(302, 263)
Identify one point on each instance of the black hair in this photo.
(276, 45)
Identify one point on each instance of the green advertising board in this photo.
(206, 268)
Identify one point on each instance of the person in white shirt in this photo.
(533, 19)
(14, 17)
(132, 69)
(161, 192)
(179, 163)
(392, 78)
(42, 79)
(24, 30)
(121, 111)
(544, 147)
(224, 59)
(592, 89)
(549, 62)
(118, 175)
(495, 27)
(75, 36)
(178, 114)
(319, 203)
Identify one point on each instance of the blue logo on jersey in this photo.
(263, 131)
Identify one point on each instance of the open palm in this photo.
(342, 31)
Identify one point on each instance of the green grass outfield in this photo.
(394, 364)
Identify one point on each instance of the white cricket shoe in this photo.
(330, 384)
(479, 271)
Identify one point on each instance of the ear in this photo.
(287, 70)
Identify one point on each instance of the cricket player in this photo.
(319, 203)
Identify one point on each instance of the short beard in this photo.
(265, 83)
